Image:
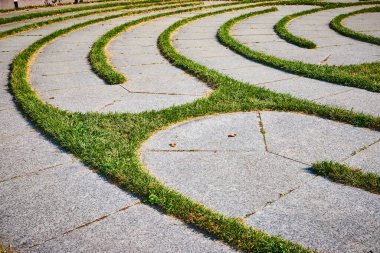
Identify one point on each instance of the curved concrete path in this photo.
(367, 23)
(54, 73)
(265, 178)
(52, 203)
(203, 47)
(332, 48)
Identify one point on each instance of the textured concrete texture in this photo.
(137, 229)
(249, 165)
(367, 23)
(260, 28)
(48, 197)
(263, 174)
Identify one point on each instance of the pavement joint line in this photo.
(262, 131)
(292, 159)
(355, 152)
(333, 94)
(324, 60)
(200, 150)
(278, 80)
(35, 172)
(8, 109)
(280, 197)
(87, 224)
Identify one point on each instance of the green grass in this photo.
(33, 15)
(98, 57)
(109, 143)
(363, 76)
(16, 30)
(344, 174)
(283, 32)
(336, 25)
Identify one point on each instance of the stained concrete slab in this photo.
(138, 229)
(325, 216)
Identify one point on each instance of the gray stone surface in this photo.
(270, 188)
(367, 23)
(367, 159)
(309, 139)
(239, 68)
(138, 229)
(49, 203)
(325, 216)
(46, 193)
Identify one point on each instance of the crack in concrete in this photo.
(332, 94)
(355, 152)
(262, 131)
(34, 172)
(292, 159)
(86, 224)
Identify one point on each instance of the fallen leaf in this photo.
(231, 135)
(173, 144)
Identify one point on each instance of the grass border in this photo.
(344, 174)
(27, 27)
(73, 9)
(88, 137)
(281, 26)
(332, 74)
(98, 58)
(336, 25)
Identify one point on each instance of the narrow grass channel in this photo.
(91, 136)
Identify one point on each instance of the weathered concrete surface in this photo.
(197, 40)
(138, 229)
(47, 196)
(263, 174)
(367, 23)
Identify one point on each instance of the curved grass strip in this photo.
(109, 143)
(343, 174)
(16, 30)
(98, 57)
(72, 9)
(282, 31)
(336, 25)
(33, 7)
(363, 76)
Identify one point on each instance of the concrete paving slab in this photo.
(367, 23)
(211, 134)
(28, 152)
(234, 183)
(325, 216)
(46, 205)
(309, 139)
(367, 159)
(138, 229)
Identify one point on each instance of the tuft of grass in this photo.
(91, 136)
(351, 75)
(336, 25)
(343, 174)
